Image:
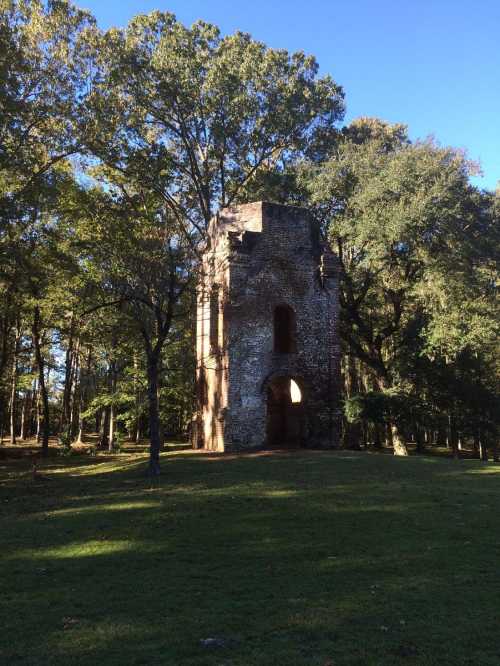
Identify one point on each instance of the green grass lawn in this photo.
(310, 558)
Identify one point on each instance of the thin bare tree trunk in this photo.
(68, 377)
(482, 447)
(104, 429)
(377, 437)
(419, 439)
(476, 444)
(4, 357)
(13, 401)
(84, 383)
(388, 435)
(38, 414)
(441, 434)
(112, 409)
(154, 416)
(13, 385)
(111, 434)
(353, 434)
(453, 437)
(496, 455)
(483, 450)
(25, 415)
(41, 381)
(75, 387)
(136, 434)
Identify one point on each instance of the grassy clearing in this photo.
(304, 558)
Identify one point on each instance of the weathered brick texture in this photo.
(262, 256)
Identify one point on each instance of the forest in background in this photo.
(118, 147)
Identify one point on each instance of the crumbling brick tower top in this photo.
(267, 344)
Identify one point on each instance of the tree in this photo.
(415, 243)
(41, 79)
(138, 262)
(194, 117)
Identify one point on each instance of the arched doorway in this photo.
(285, 413)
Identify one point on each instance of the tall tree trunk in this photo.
(13, 407)
(364, 434)
(112, 373)
(81, 422)
(13, 385)
(154, 415)
(388, 435)
(476, 443)
(352, 433)
(377, 436)
(441, 435)
(394, 435)
(496, 455)
(68, 377)
(453, 437)
(32, 413)
(483, 449)
(104, 429)
(480, 444)
(112, 377)
(6, 326)
(38, 414)
(75, 388)
(419, 439)
(112, 424)
(41, 381)
(398, 442)
(136, 429)
(25, 415)
(84, 384)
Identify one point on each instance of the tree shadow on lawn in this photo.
(291, 559)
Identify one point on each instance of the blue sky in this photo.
(431, 64)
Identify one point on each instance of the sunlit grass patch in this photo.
(486, 469)
(120, 506)
(280, 494)
(91, 548)
(93, 468)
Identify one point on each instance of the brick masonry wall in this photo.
(263, 255)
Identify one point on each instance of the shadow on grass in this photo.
(295, 558)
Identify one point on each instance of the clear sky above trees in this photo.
(434, 65)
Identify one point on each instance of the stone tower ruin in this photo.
(266, 343)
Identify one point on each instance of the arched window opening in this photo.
(284, 330)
